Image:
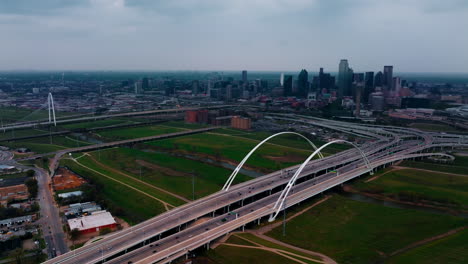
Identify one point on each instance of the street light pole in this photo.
(193, 185)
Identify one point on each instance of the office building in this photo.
(244, 77)
(303, 83)
(378, 79)
(239, 122)
(342, 77)
(388, 78)
(368, 86)
(288, 85)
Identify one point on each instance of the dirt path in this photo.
(324, 259)
(280, 252)
(138, 180)
(428, 240)
(166, 204)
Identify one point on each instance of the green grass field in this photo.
(43, 144)
(126, 203)
(22, 133)
(97, 123)
(267, 158)
(357, 232)
(459, 166)
(434, 127)
(414, 185)
(168, 172)
(131, 181)
(449, 250)
(136, 132)
(183, 125)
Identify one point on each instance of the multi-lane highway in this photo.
(99, 117)
(173, 234)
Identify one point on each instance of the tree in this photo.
(104, 231)
(30, 173)
(74, 234)
(32, 187)
(18, 255)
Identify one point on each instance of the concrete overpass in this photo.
(172, 234)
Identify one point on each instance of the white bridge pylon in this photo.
(237, 169)
(50, 104)
(281, 199)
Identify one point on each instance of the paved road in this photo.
(50, 220)
(119, 143)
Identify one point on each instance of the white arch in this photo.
(237, 169)
(50, 104)
(279, 203)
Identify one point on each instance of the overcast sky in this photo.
(412, 35)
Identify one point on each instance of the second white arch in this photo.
(237, 169)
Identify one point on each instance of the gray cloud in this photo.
(414, 35)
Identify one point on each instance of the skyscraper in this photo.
(369, 86)
(388, 78)
(303, 83)
(378, 80)
(282, 79)
(244, 77)
(288, 85)
(343, 78)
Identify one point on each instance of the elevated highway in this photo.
(173, 234)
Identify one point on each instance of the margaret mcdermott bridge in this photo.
(174, 234)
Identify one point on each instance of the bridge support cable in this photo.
(50, 104)
(281, 199)
(237, 169)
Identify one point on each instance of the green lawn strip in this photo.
(34, 147)
(420, 185)
(97, 123)
(132, 182)
(181, 124)
(126, 203)
(21, 133)
(269, 244)
(233, 239)
(450, 168)
(208, 178)
(448, 250)
(434, 127)
(228, 254)
(356, 232)
(13, 175)
(43, 145)
(233, 148)
(137, 132)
